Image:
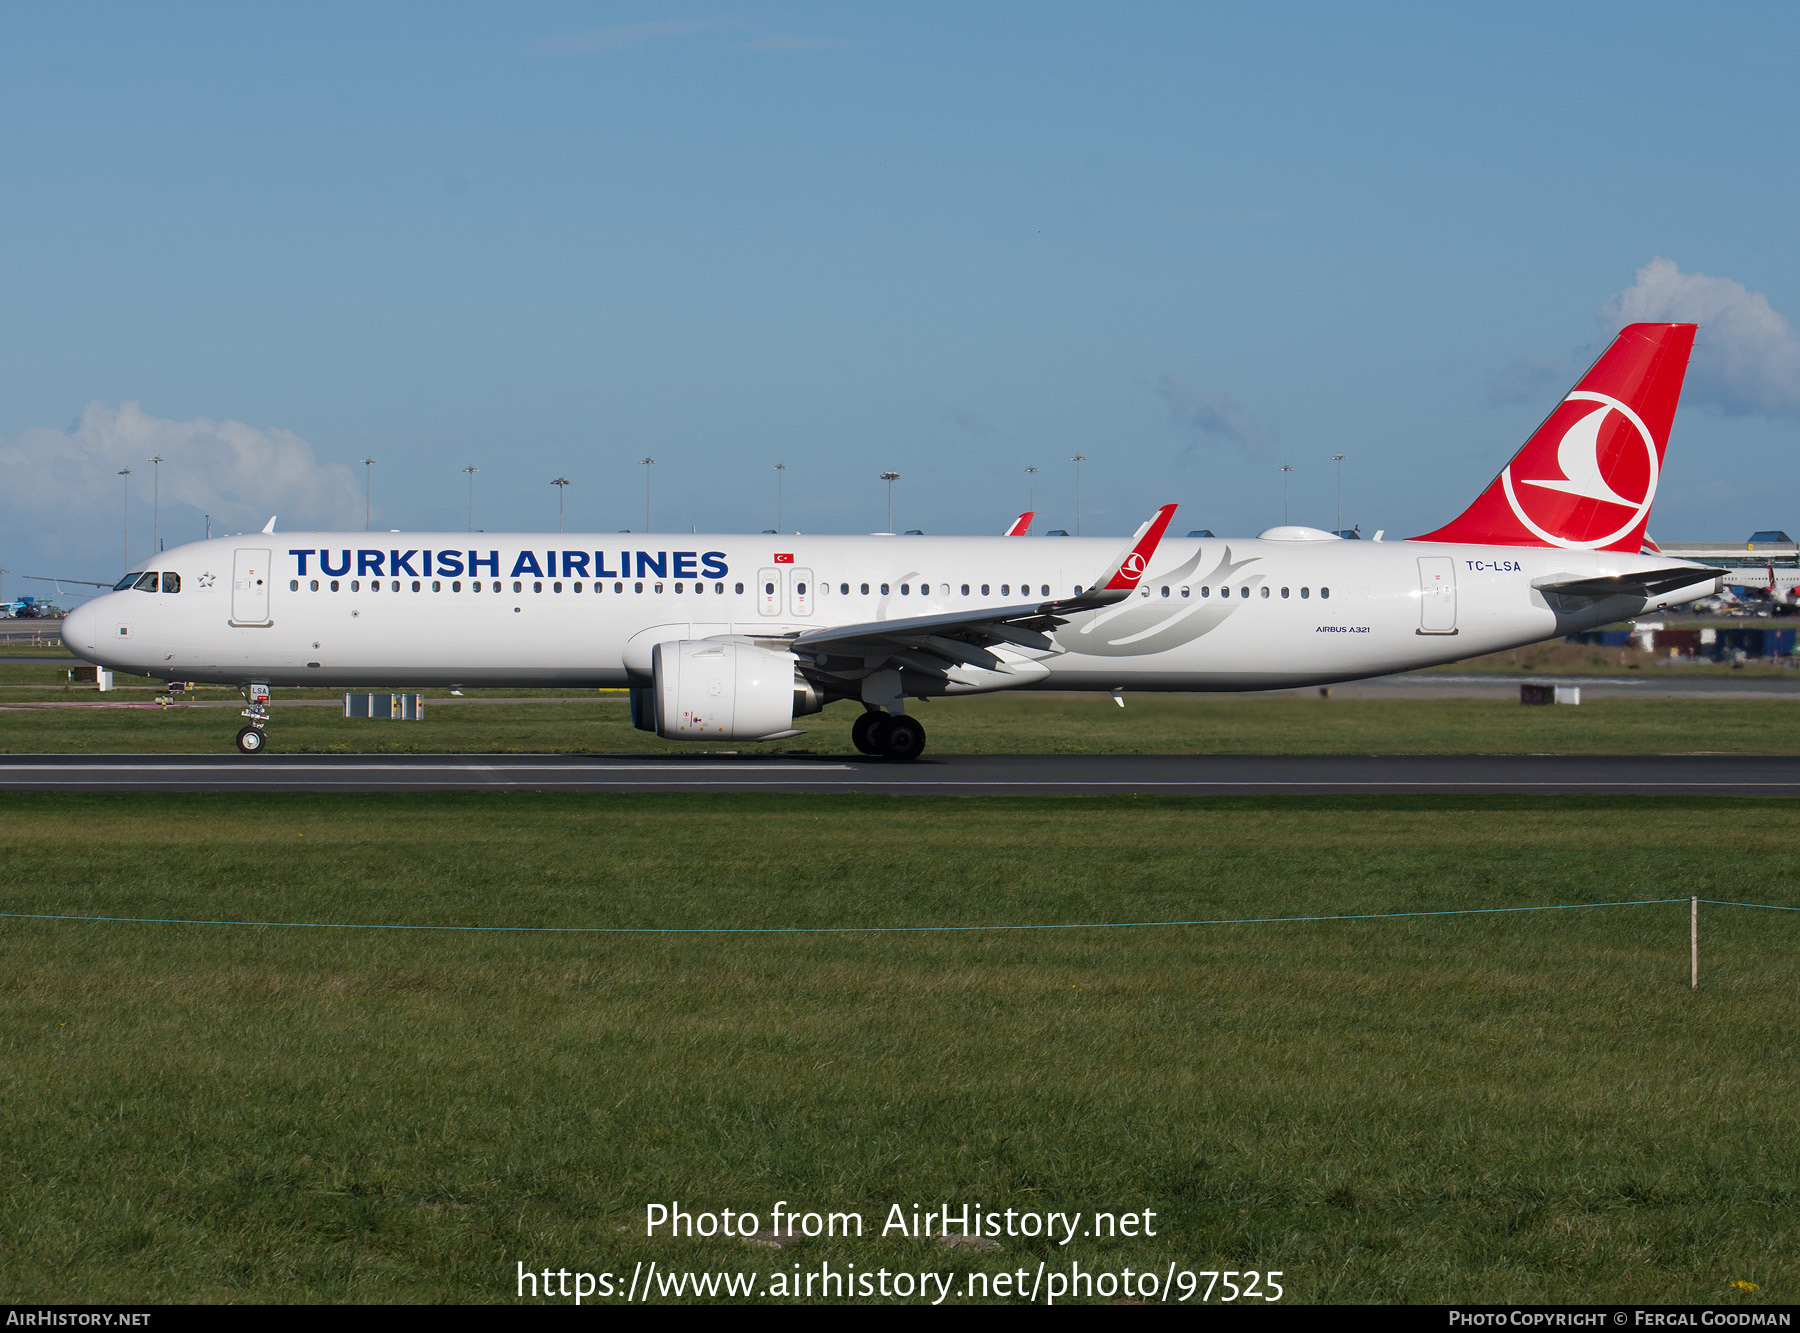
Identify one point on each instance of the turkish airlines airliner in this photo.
(733, 638)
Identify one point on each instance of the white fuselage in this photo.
(364, 609)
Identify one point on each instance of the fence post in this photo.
(1693, 944)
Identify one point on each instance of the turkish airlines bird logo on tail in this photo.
(1586, 478)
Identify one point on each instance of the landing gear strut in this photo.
(253, 738)
(889, 736)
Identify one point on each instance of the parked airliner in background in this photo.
(732, 638)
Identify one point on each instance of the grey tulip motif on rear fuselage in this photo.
(1156, 624)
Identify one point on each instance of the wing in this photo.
(47, 578)
(939, 643)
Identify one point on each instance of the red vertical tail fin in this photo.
(1586, 478)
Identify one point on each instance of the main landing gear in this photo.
(253, 738)
(888, 735)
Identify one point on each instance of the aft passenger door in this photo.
(1437, 595)
(250, 588)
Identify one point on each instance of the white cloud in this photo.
(60, 492)
(1215, 419)
(622, 37)
(1746, 357)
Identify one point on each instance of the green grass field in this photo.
(991, 724)
(1518, 1107)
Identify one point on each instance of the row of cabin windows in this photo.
(518, 585)
(1324, 593)
(906, 589)
(170, 582)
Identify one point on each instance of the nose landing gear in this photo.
(253, 738)
(888, 735)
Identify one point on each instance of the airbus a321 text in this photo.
(733, 638)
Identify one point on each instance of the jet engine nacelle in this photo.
(717, 690)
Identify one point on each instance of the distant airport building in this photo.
(1770, 547)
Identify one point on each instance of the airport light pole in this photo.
(1078, 460)
(780, 468)
(156, 507)
(368, 474)
(1285, 469)
(125, 472)
(647, 463)
(1031, 488)
(471, 471)
(890, 478)
(561, 484)
(1340, 460)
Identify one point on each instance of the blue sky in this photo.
(1190, 242)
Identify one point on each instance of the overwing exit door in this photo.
(768, 591)
(800, 592)
(250, 588)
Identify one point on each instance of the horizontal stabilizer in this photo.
(1644, 583)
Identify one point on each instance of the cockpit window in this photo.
(147, 582)
(127, 581)
(171, 581)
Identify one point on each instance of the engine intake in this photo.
(710, 689)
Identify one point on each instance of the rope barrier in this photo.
(859, 930)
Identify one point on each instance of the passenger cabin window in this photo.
(1325, 592)
(1305, 593)
(884, 590)
(1284, 592)
(293, 585)
(334, 585)
(315, 585)
(865, 589)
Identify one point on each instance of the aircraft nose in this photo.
(78, 630)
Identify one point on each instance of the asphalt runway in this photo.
(959, 775)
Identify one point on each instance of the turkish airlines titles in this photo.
(391, 563)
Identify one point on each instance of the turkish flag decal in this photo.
(784, 557)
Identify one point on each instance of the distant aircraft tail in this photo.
(1020, 525)
(1586, 478)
